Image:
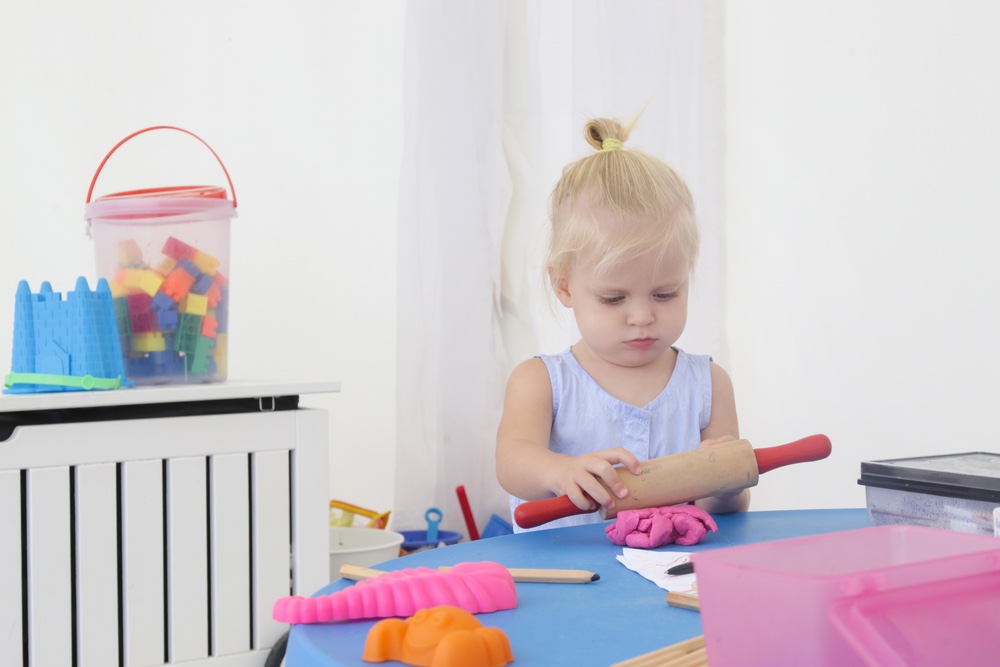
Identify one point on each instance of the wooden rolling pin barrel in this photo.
(685, 477)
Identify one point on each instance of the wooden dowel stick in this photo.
(357, 573)
(697, 658)
(678, 650)
(684, 601)
(520, 575)
(688, 653)
(694, 659)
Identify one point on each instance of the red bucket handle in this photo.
(93, 181)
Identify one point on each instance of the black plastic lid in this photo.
(970, 475)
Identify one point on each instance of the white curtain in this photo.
(496, 97)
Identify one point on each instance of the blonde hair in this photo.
(618, 204)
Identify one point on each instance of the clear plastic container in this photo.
(886, 595)
(165, 254)
(952, 491)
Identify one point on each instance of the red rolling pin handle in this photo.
(537, 512)
(811, 448)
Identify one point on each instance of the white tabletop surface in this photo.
(174, 393)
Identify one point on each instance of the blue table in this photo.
(618, 617)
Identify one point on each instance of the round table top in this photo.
(620, 616)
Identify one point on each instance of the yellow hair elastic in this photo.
(610, 144)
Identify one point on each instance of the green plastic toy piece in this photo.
(85, 382)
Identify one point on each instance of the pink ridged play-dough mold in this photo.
(475, 587)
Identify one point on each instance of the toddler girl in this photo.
(623, 245)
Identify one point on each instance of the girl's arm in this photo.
(528, 469)
(723, 426)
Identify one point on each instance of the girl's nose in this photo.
(641, 315)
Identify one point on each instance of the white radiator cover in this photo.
(159, 541)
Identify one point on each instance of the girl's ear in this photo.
(561, 288)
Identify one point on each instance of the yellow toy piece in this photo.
(205, 262)
(129, 278)
(345, 518)
(193, 304)
(118, 289)
(149, 281)
(166, 266)
(148, 342)
(129, 253)
(135, 280)
(220, 352)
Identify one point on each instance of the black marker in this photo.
(683, 568)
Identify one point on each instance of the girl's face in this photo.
(629, 316)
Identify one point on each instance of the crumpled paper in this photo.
(653, 565)
(655, 526)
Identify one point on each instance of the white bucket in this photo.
(362, 547)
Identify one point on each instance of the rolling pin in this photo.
(685, 477)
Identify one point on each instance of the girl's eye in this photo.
(665, 296)
(611, 299)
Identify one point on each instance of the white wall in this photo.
(862, 147)
(863, 232)
(303, 102)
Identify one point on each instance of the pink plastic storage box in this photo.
(887, 596)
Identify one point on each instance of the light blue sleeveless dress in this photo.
(586, 418)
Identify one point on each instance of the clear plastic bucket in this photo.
(165, 253)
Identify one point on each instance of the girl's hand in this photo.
(580, 476)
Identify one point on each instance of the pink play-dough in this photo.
(475, 587)
(655, 526)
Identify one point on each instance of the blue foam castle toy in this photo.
(65, 345)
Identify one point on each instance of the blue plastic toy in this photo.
(433, 517)
(497, 527)
(69, 345)
(432, 537)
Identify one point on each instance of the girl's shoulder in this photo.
(529, 367)
(529, 372)
(528, 384)
(697, 362)
(692, 358)
(561, 357)
(559, 363)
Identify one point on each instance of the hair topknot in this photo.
(599, 129)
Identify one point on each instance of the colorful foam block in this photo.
(167, 319)
(205, 262)
(148, 342)
(177, 249)
(194, 304)
(166, 266)
(150, 281)
(129, 253)
(208, 326)
(171, 310)
(177, 283)
(140, 312)
(214, 295)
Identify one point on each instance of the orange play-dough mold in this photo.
(443, 636)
